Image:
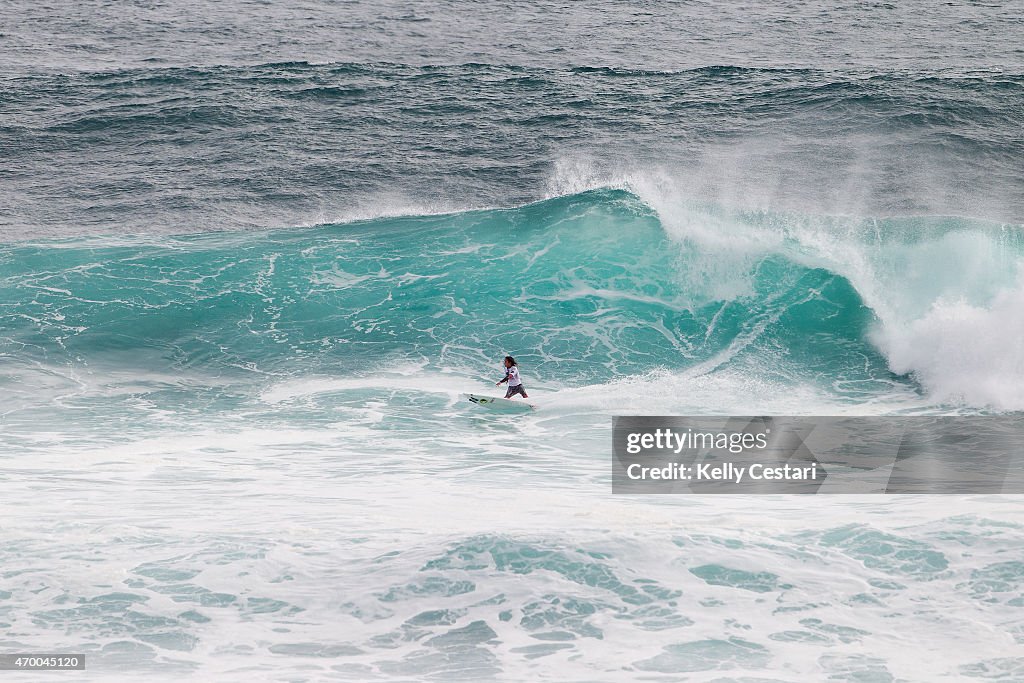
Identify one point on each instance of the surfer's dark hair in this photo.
(510, 359)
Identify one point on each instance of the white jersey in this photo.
(513, 376)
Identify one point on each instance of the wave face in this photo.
(583, 289)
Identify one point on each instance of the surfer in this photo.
(515, 385)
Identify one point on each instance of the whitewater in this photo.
(229, 444)
(252, 255)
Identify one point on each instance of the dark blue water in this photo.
(181, 118)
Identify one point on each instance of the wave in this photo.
(587, 288)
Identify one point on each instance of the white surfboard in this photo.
(501, 405)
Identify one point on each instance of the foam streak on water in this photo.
(245, 453)
(251, 254)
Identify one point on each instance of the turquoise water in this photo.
(244, 452)
(251, 254)
(584, 289)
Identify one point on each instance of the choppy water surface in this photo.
(251, 255)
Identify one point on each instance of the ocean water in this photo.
(250, 255)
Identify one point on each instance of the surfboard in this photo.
(501, 405)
